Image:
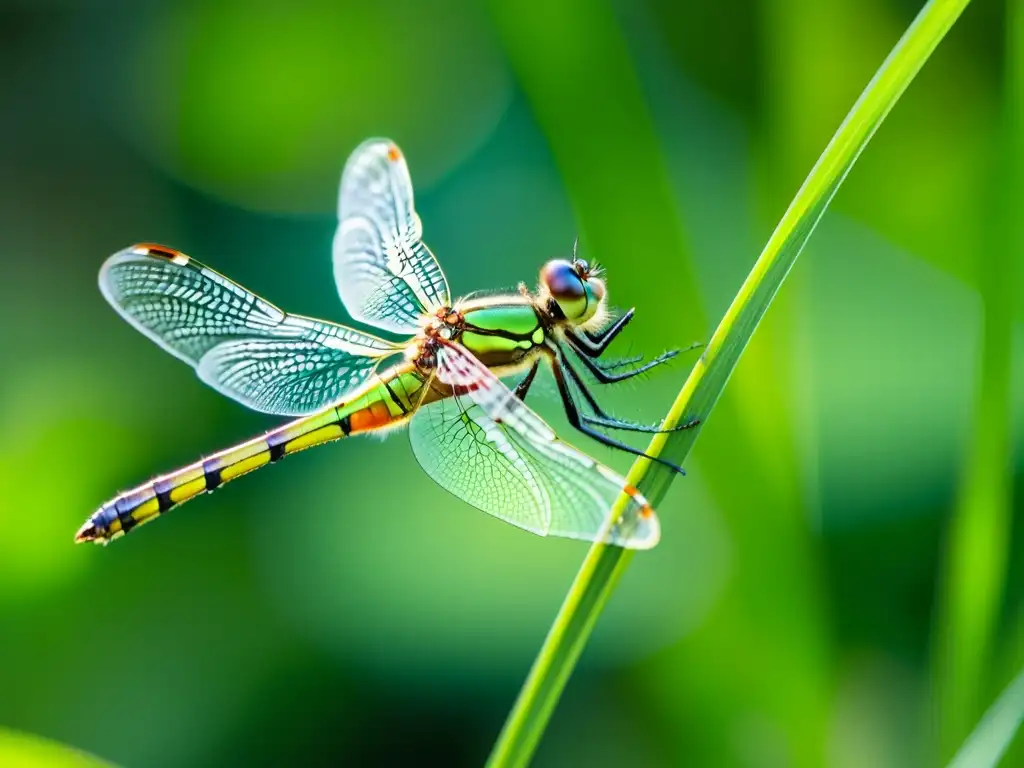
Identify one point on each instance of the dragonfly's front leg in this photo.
(605, 376)
(594, 344)
(604, 373)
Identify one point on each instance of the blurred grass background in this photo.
(803, 608)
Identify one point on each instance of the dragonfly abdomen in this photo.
(386, 403)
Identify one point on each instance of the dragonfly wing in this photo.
(293, 376)
(487, 447)
(385, 274)
(241, 345)
(466, 453)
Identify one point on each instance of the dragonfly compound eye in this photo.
(573, 293)
(563, 283)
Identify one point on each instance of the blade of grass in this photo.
(990, 740)
(28, 751)
(1009, 657)
(977, 548)
(604, 566)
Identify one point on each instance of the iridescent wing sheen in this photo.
(385, 274)
(241, 345)
(488, 448)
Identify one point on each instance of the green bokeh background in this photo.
(341, 608)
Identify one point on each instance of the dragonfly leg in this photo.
(614, 365)
(600, 417)
(524, 385)
(613, 423)
(573, 414)
(581, 385)
(604, 374)
(594, 344)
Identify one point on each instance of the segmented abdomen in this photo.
(385, 404)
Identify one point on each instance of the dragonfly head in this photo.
(575, 289)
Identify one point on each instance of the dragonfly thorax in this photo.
(446, 325)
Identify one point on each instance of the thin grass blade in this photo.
(27, 751)
(972, 584)
(988, 743)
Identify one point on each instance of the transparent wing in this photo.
(241, 345)
(293, 376)
(385, 274)
(489, 449)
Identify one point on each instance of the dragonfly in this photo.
(472, 434)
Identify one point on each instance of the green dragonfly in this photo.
(472, 434)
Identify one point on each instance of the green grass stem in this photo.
(27, 751)
(977, 547)
(988, 743)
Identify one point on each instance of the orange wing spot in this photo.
(394, 154)
(160, 251)
(645, 507)
(373, 417)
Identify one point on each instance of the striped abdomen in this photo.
(387, 402)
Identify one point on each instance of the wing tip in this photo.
(153, 250)
(158, 251)
(644, 530)
(651, 528)
(377, 145)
